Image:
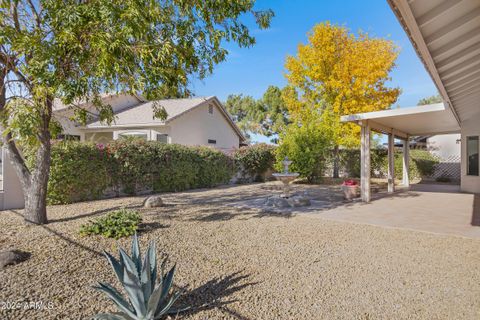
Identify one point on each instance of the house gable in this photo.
(206, 124)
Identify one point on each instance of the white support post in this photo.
(406, 163)
(365, 162)
(391, 163)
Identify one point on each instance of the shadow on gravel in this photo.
(220, 214)
(214, 294)
(85, 215)
(147, 227)
(93, 214)
(64, 238)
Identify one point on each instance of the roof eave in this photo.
(405, 16)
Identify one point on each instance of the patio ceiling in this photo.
(414, 121)
(446, 36)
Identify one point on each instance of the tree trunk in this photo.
(36, 193)
(34, 184)
(336, 162)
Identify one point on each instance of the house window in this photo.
(472, 156)
(133, 135)
(210, 109)
(211, 141)
(161, 137)
(68, 137)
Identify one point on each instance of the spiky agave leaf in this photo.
(167, 283)
(133, 287)
(146, 300)
(152, 254)
(145, 278)
(166, 308)
(136, 257)
(112, 316)
(117, 266)
(117, 298)
(128, 262)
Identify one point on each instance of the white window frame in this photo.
(117, 134)
(162, 134)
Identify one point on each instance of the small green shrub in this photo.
(308, 146)
(116, 224)
(255, 160)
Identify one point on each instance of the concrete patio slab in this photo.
(431, 208)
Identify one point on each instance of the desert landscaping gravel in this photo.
(245, 264)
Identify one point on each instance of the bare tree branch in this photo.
(14, 9)
(35, 13)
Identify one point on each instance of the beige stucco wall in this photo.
(11, 197)
(445, 145)
(470, 127)
(197, 126)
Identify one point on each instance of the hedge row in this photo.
(253, 162)
(84, 171)
(422, 163)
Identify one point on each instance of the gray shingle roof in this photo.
(144, 113)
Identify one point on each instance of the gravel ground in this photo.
(245, 264)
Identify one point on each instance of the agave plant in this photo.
(147, 299)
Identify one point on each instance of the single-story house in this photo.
(446, 37)
(194, 122)
(191, 122)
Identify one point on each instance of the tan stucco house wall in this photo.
(203, 124)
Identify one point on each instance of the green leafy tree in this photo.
(241, 107)
(267, 116)
(308, 145)
(72, 51)
(430, 100)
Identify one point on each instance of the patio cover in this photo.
(414, 121)
(401, 123)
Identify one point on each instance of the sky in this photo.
(250, 71)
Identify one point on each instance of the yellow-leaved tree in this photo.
(337, 73)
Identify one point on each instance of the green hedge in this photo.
(84, 171)
(422, 163)
(252, 162)
(79, 171)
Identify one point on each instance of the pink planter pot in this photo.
(350, 192)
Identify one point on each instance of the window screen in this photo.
(472, 156)
(161, 137)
